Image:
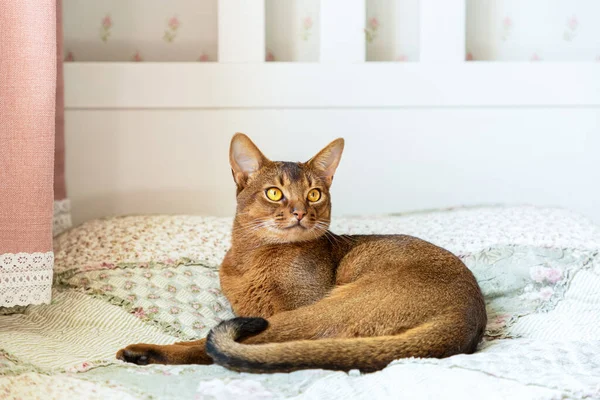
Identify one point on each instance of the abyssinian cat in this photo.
(307, 298)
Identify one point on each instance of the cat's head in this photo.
(282, 202)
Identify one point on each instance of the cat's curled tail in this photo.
(431, 339)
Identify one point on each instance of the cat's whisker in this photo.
(254, 219)
(340, 239)
(253, 223)
(249, 230)
(324, 231)
(252, 228)
(348, 239)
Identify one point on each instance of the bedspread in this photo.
(154, 279)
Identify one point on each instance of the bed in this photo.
(154, 278)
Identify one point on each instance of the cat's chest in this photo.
(295, 265)
(298, 281)
(274, 281)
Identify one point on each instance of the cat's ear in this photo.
(327, 160)
(245, 159)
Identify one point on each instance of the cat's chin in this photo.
(297, 226)
(295, 233)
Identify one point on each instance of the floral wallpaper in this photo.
(186, 30)
(533, 30)
(392, 30)
(140, 30)
(292, 30)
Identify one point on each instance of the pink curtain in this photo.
(62, 206)
(28, 122)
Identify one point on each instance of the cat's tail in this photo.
(432, 339)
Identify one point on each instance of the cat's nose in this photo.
(299, 214)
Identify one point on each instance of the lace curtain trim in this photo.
(62, 216)
(26, 278)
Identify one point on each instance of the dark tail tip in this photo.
(234, 329)
(246, 327)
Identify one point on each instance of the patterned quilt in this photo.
(155, 279)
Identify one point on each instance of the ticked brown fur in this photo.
(313, 299)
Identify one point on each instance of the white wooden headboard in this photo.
(153, 137)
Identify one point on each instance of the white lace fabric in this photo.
(62, 216)
(25, 278)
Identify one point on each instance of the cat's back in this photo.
(413, 274)
(401, 255)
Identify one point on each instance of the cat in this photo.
(308, 298)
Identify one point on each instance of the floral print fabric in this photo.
(155, 279)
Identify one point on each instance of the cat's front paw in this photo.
(170, 354)
(140, 354)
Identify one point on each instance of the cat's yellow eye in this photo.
(274, 194)
(314, 195)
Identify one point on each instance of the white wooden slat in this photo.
(311, 85)
(175, 161)
(241, 31)
(442, 30)
(342, 31)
